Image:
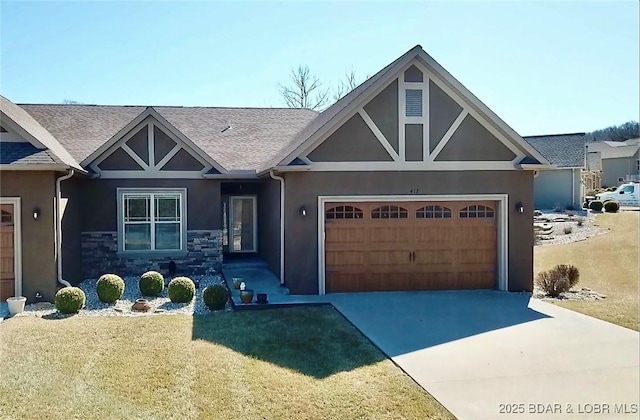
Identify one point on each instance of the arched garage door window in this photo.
(477, 212)
(433, 212)
(343, 212)
(389, 212)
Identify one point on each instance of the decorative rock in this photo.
(141, 305)
(43, 306)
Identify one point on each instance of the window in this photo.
(343, 212)
(389, 212)
(628, 189)
(476, 212)
(413, 103)
(152, 220)
(433, 212)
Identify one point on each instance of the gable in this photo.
(149, 150)
(352, 142)
(414, 125)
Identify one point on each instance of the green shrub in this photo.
(558, 280)
(181, 290)
(215, 297)
(70, 300)
(110, 288)
(596, 205)
(611, 206)
(151, 283)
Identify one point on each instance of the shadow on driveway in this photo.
(403, 322)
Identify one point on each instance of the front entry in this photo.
(243, 234)
(7, 251)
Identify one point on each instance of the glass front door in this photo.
(242, 224)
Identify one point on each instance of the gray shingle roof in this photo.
(563, 150)
(19, 116)
(256, 136)
(25, 154)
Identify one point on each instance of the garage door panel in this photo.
(411, 246)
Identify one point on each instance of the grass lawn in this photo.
(608, 264)
(296, 363)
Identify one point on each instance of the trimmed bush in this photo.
(558, 280)
(110, 288)
(181, 290)
(215, 297)
(567, 230)
(70, 300)
(151, 283)
(596, 205)
(611, 206)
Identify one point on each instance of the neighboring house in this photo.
(620, 160)
(562, 186)
(408, 182)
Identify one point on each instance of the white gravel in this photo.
(160, 305)
(578, 233)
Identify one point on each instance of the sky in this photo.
(544, 67)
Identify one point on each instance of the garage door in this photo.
(383, 246)
(7, 255)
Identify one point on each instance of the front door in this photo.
(7, 252)
(243, 236)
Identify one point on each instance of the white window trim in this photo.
(501, 214)
(17, 242)
(121, 192)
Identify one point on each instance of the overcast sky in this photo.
(543, 67)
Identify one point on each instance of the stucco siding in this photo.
(378, 109)
(557, 188)
(71, 230)
(472, 142)
(303, 189)
(269, 224)
(36, 190)
(615, 168)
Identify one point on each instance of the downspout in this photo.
(59, 227)
(281, 179)
(573, 187)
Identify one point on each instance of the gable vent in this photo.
(414, 103)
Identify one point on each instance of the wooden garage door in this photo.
(410, 246)
(7, 255)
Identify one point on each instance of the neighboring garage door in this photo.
(7, 253)
(383, 246)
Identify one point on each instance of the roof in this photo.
(13, 153)
(562, 150)
(255, 136)
(37, 132)
(615, 149)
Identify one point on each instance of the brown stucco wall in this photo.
(269, 224)
(378, 109)
(442, 113)
(352, 142)
(71, 230)
(99, 201)
(301, 242)
(36, 189)
(472, 142)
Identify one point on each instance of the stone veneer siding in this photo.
(100, 255)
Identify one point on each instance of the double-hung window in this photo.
(152, 220)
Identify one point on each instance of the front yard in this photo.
(299, 363)
(608, 264)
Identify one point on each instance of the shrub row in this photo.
(110, 288)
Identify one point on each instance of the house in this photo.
(619, 160)
(408, 182)
(563, 186)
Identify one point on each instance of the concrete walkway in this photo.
(257, 277)
(486, 354)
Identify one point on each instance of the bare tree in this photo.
(622, 132)
(304, 90)
(70, 102)
(345, 86)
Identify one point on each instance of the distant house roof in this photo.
(36, 134)
(615, 149)
(562, 150)
(237, 138)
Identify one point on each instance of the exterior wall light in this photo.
(519, 207)
(36, 213)
(303, 211)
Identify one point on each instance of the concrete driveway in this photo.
(490, 354)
